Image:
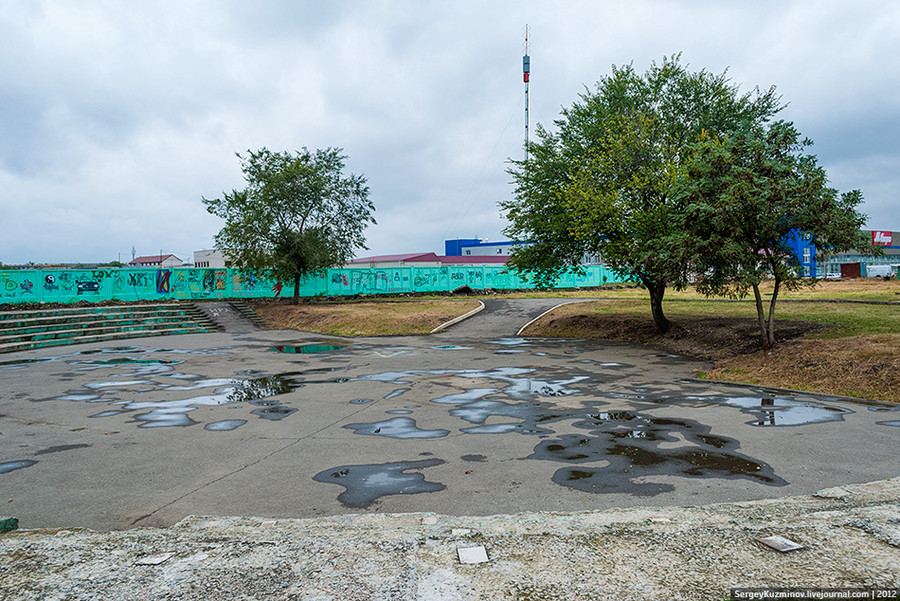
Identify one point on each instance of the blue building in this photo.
(805, 251)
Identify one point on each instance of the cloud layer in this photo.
(118, 117)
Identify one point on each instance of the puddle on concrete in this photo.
(458, 398)
(399, 412)
(224, 425)
(20, 363)
(275, 412)
(396, 393)
(10, 466)
(84, 365)
(361, 401)
(478, 458)
(365, 484)
(512, 342)
(782, 411)
(61, 448)
(629, 446)
(518, 428)
(397, 427)
(107, 413)
(310, 348)
(451, 347)
(174, 412)
(895, 423)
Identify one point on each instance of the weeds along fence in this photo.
(184, 283)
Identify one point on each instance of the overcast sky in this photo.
(118, 117)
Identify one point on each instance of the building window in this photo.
(807, 254)
(499, 251)
(468, 252)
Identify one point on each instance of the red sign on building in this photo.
(882, 238)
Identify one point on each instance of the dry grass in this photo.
(367, 318)
(860, 366)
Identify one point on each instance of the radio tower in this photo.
(526, 75)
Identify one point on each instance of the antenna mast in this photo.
(526, 76)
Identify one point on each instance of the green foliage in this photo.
(298, 214)
(602, 182)
(745, 195)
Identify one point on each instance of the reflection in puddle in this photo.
(311, 348)
(224, 425)
(519, 428)
(10, 466)
(781, 411)
(397, 427)
(629, 445)
(174, 412)
(365, 484)
(895, 423)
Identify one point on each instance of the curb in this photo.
(523, 328)
(456, 320)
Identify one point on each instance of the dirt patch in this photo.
(707, 338)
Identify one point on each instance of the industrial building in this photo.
(855, 264)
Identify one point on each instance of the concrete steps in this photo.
(26, 330)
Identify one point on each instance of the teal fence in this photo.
(73, 285)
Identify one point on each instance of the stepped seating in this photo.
(31, 329)
(246, 309)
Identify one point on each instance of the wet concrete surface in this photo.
(109, 437)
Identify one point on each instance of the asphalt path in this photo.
(471, 421)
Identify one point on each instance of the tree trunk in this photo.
(771, 328)
(296, 300)
(761, 316)
(657, 290)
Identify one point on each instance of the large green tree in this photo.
(602, 181)
(746, 196)
(299, 214)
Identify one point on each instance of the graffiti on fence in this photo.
(163, 277)
(84, 286)
(71, 285)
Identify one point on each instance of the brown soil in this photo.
(708, 338)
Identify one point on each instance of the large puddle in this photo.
(365, 484)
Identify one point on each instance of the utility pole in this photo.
(526, 76)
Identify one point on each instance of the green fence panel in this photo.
(183, 283)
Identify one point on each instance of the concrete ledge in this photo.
(849, 540)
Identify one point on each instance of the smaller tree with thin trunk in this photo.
(298, 215)
(745, 195)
